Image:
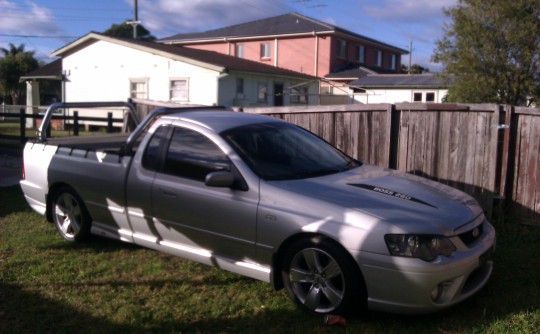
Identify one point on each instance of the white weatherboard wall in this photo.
(397, 95)
(102, 71)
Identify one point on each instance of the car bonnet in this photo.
(397, 198)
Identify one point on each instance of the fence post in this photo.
(109, 122)
(22, 125)
(75, 123)
(393, 120)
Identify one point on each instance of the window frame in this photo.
(378, 58)
(240, 87)
(265, 50)
(172, 89)
(341, 48)
(135, 91)
(239, 50)
(299, 95)
(393, 61)
(264, 98)
(360, 53)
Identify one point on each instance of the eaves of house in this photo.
(287, 25)
(205, 59)
(350, 73)
(51, 71)
(400, 81)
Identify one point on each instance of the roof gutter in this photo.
(242, 38)
(127, 43)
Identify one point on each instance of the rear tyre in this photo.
(70, 216)
(321, 277)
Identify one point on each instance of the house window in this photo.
(240, 87)
(359, 53)
(378, 58)
(239, 50)
(179, 89)
(341, 48)
(417, 97)
(138, 88)
(392, 61)
(299, 95)
(327, 90)
(262, 95)
(430, 97)
(265, 50)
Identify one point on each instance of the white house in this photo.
(397, 88)
(102, 68)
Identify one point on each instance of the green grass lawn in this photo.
(48, 285)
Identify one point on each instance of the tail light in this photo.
(23, 174)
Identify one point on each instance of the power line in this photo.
(37, 36)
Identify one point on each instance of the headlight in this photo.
(425, 247)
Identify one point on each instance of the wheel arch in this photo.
(278, 257)
(53, 190)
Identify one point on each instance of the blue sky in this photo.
(46, 25)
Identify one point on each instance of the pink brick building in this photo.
(301, 44)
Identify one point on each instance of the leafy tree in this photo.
(15, 63)
(125, 30)
(415, 69)
(491, 49)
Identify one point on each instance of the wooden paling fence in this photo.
(489, 151)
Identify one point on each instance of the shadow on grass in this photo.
(27, 312)
(12, 200)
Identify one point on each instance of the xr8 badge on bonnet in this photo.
(390, 193)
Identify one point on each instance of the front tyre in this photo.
(321, 277)
(70, 216)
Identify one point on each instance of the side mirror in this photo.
(219, 179)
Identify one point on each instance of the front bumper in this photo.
(408, 285)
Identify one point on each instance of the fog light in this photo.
(437, 292)
(444, 292)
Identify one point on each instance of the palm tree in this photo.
(15, 63)
(14, 50)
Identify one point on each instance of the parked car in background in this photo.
(267, 199)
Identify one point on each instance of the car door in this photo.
(139, 187)
(186, 212)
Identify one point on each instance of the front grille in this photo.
(471, 236)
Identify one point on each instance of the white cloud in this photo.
(406, 11)
(27, 19)
(168, 17)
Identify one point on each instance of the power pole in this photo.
(135, 21)
(410, 58)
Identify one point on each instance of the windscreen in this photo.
(282, 151)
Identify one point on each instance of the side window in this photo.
(341, 49)
(265, 50)
(138, 88)
(179, 89)
(378, 58)
(193, 156)
(239, 50)
(150, 158)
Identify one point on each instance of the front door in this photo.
(186, 212)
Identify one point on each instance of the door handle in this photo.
(168, 193)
